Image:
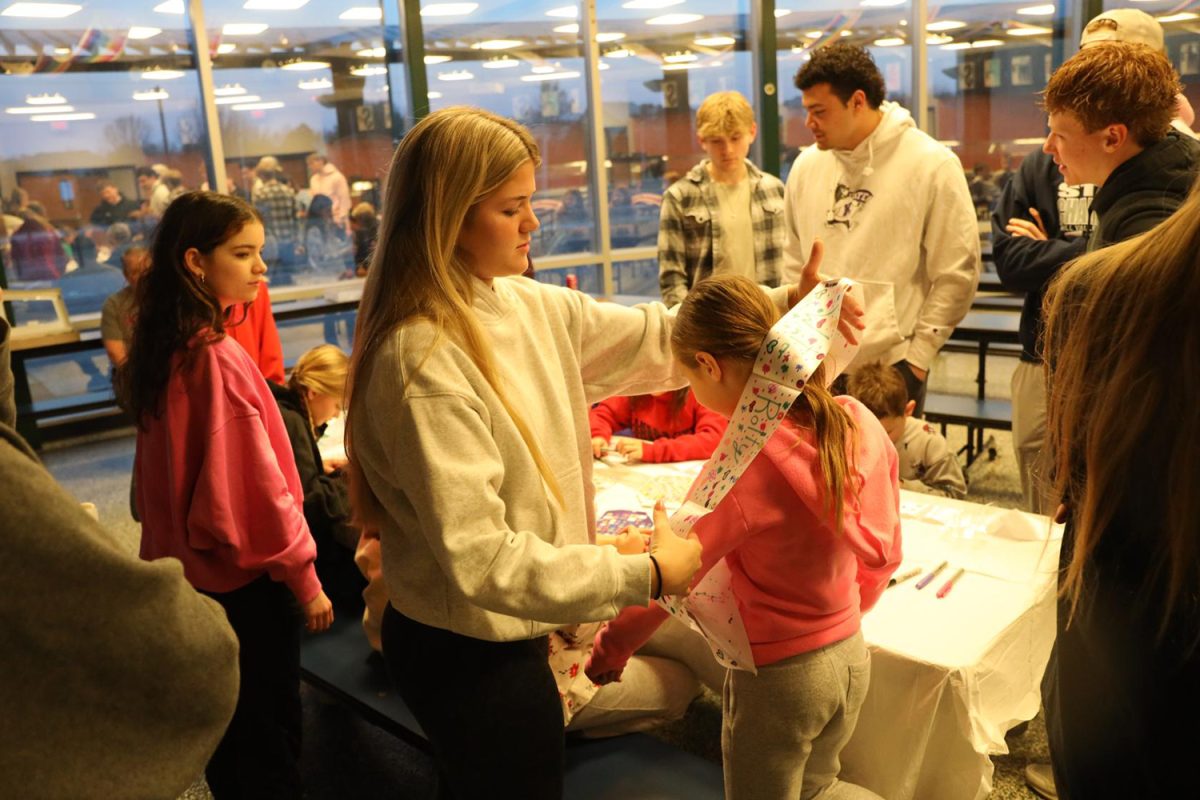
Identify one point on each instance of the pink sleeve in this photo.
(710, 427)
(242, 500)
(876, 537)
(608, 416)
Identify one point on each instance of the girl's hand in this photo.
(318, 613)
(599, 445)
(334, 464)
(678, 558)
(1030, 230)
(630, 448)
(850, 320)
(631, 541)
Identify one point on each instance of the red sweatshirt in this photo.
(799, 584)
(258, 334)
(217, 486)
(693, 433)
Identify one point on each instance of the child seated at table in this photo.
(812, 531)
(927, 464)
(668, 426)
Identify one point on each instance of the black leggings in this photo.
(259, 756)
(490, 709)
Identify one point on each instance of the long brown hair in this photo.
(729, 317)
(447, 163)
(1122, 344)
(173, 305)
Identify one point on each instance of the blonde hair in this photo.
(322, 369)
(724, 114)
(449, 161)
(1122, 345)
(880, 387)
(729, 317)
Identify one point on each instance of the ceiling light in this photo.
(243, 28)
(59, 109)
(365, 13)
(603, 66)
(889, 41)
(618, 52)
(566, 12)
(681, 58)
(501, 62)
(846, 32)
(611, 36)
(550, 76)
(635, 4)
(82, 115)
(814, 34)
(367, 70)
(304, 65)
(986, 43)
(274, 5)
(140, 32)
(229, 90)
(714, 41)
(946, 25)
(437, 59)
(170, 7)
(957, 46)
(882, 3)
(570, 27)
(162, 74)
(153, 94)
(258, 106)
(673, 67)
(41, 10)
(782, 12)
(497, 44)
(434, 95)
(938, 38)
(543, 69)
(377, 52)
(1183, 16)
(316, 83)
(225, 48)
(1037, 11)
(1029, 30)
(45, 99)
(674, 19)
(456, 75)
(448, 9)
(62, 51)
(229, 101)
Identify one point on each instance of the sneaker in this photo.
(1040, 778)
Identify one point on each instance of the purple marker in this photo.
(921, 584)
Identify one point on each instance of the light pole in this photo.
(162, 119)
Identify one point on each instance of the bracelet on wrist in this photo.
(658, 592)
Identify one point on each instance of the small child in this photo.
(668, 426)
(812, 531)
(927, 464)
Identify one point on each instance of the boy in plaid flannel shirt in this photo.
(725, 215)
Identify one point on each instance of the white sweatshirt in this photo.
(475, 542)
(895, 214)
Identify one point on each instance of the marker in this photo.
(912, 573)
(921, 584)
(948, 585)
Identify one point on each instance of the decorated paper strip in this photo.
(801, 341)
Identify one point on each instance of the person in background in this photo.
(276, 204)
(812, 529)
(118, 239)
(216, 483)
(36, 248)
(312, 397)
(364, 227)
(326, 179)
(328, 250)
(726, 215)
(1121, 343)
(891, 206)
(116, 317)
(172, 179)
(667, 426)
(255, 330)
(927, 464)
(113, 207)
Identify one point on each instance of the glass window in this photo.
(525, 61)
(660, 59)
(303, 99)
(1179, 21)
(587, 278)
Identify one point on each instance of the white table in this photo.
(949, 676)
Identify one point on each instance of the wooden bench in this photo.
(976, 414)
(631, 767)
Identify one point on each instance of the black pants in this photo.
(916, 387)
(490, 709)
(259, 756)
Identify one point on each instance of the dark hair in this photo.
(173, 305)
(145, 172)
(846, 68)
(320, 212)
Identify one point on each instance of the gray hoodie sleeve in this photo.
(8, 404)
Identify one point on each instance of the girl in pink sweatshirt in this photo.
(811, 533)
(216, 485)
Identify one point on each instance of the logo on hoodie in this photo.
(1075, 215)
(846, 203)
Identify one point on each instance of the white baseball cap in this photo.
(1124, 25)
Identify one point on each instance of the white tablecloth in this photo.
(948, 676)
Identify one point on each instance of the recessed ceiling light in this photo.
(570, 27)
(304, 65)
(635, 4)
(374, 52)
(434, 95)
(550, 76)
(229, 90)
(225, 48)
(945, 25)
(274, 5)
(152, 94)
(456, 75)
(1037, 11)
(782, 12)
(367, 70)
(611, 36)
(81, 115)
(437, 59)
(316, 83)
(41, 10)
(618, 52)
(170, 7)
(543, 69)
(497, 44)
(681, 58)
(714, 41)
(674, 19)
(567, 12)
(938, 38)
(889, 41)
(673, 67)
(245, 98)
(814, 34)
(162, 74)
(501, 62)
(243, 28)
(448, 9)
(603, 66)
(143, 32)
(957, 46)
(986, 43)
(1029, 30)
(55, 99)
(258, 106)
(846, 32)
(57, 109)
(365, 13)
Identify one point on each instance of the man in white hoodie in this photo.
(891, 207)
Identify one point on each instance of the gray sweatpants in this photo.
(784, 728)
(1029, 434)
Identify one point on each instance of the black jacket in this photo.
(1145, 190)
(1028, 265)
